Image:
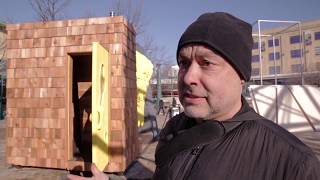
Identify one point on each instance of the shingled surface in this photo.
(141, 168)
(38, 87)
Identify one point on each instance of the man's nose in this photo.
(191, 75)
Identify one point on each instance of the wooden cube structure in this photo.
(49, 93)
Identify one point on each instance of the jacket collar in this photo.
(244, 114)
(187, 133)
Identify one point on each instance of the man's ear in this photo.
(242, 82)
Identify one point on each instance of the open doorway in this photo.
(80, 110)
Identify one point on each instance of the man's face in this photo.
(209, 88)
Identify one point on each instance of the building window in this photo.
(296, 68)
(272, 56)
(274, 70)
(307, 39)
(255, 45)
(255, 58)
(263, 46)
(270, 42)
(317, 51)
(317, 36)
(296, 53)
(295, 39)
(255, 72)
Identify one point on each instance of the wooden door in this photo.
(100, 105)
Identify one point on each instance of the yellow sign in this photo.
(144, 73)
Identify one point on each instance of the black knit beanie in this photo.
(226, 34)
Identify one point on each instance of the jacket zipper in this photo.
(189, 162)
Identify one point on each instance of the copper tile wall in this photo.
(37, 89)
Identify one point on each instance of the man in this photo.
(218, 136)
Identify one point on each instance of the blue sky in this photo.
(167, 19)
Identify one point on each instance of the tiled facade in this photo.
(38, 90)
(287, 49)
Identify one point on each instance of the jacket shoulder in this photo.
(281, 135)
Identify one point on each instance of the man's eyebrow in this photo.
(210, 53)
(205, 53)
(182, 55)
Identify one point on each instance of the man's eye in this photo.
(205, 63)
(183, 63)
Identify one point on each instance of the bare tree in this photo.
(48, 10)
(133, 11)
(157, 54)
(9, 20)
(2, 45)
(88, 14)
(3, 62)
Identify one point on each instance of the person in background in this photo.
(161, 107)
(174, 102)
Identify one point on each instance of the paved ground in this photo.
(142, 168)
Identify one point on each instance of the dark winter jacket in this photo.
(246, 147)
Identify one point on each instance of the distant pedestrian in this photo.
(161, 107)
(174, 102)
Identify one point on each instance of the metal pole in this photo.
(260, 56)
(301, 54)
(277, 21)
(277, 106)
(171, 79)
(274, 61)
(158, 85)
(280, 51)
(275, 77)
(305, 51)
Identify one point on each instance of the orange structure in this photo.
(49, 93)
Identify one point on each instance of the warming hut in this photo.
(72, 94)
